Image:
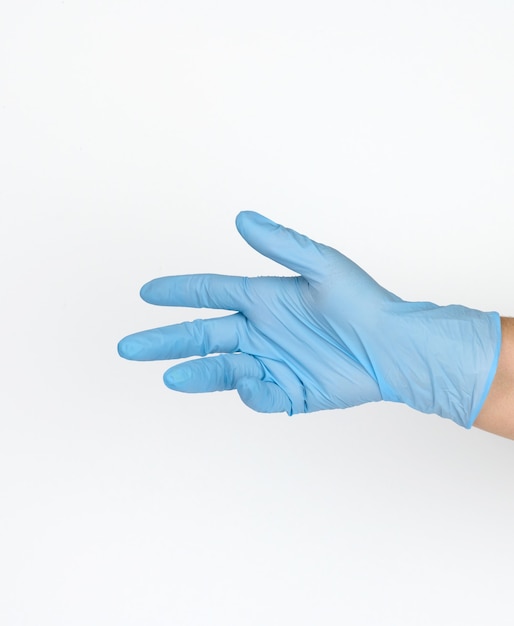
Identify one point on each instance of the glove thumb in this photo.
(314, 261)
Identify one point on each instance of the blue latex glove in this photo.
(329, 338)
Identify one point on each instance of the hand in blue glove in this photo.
(329, 338)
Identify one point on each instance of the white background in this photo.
(131, 134)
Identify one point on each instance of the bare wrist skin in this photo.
(497, 414)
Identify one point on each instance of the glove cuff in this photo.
(446, 359)
(496, 322)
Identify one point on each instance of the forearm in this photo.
(497, 414)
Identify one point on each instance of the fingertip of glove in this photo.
(242, 218)
(245, 218)
(126, 349)
(146, 291)
(120, 348)
(179, 378)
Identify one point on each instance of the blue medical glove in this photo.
(329, 338)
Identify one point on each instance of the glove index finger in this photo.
(213, 291)
(314, 261)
